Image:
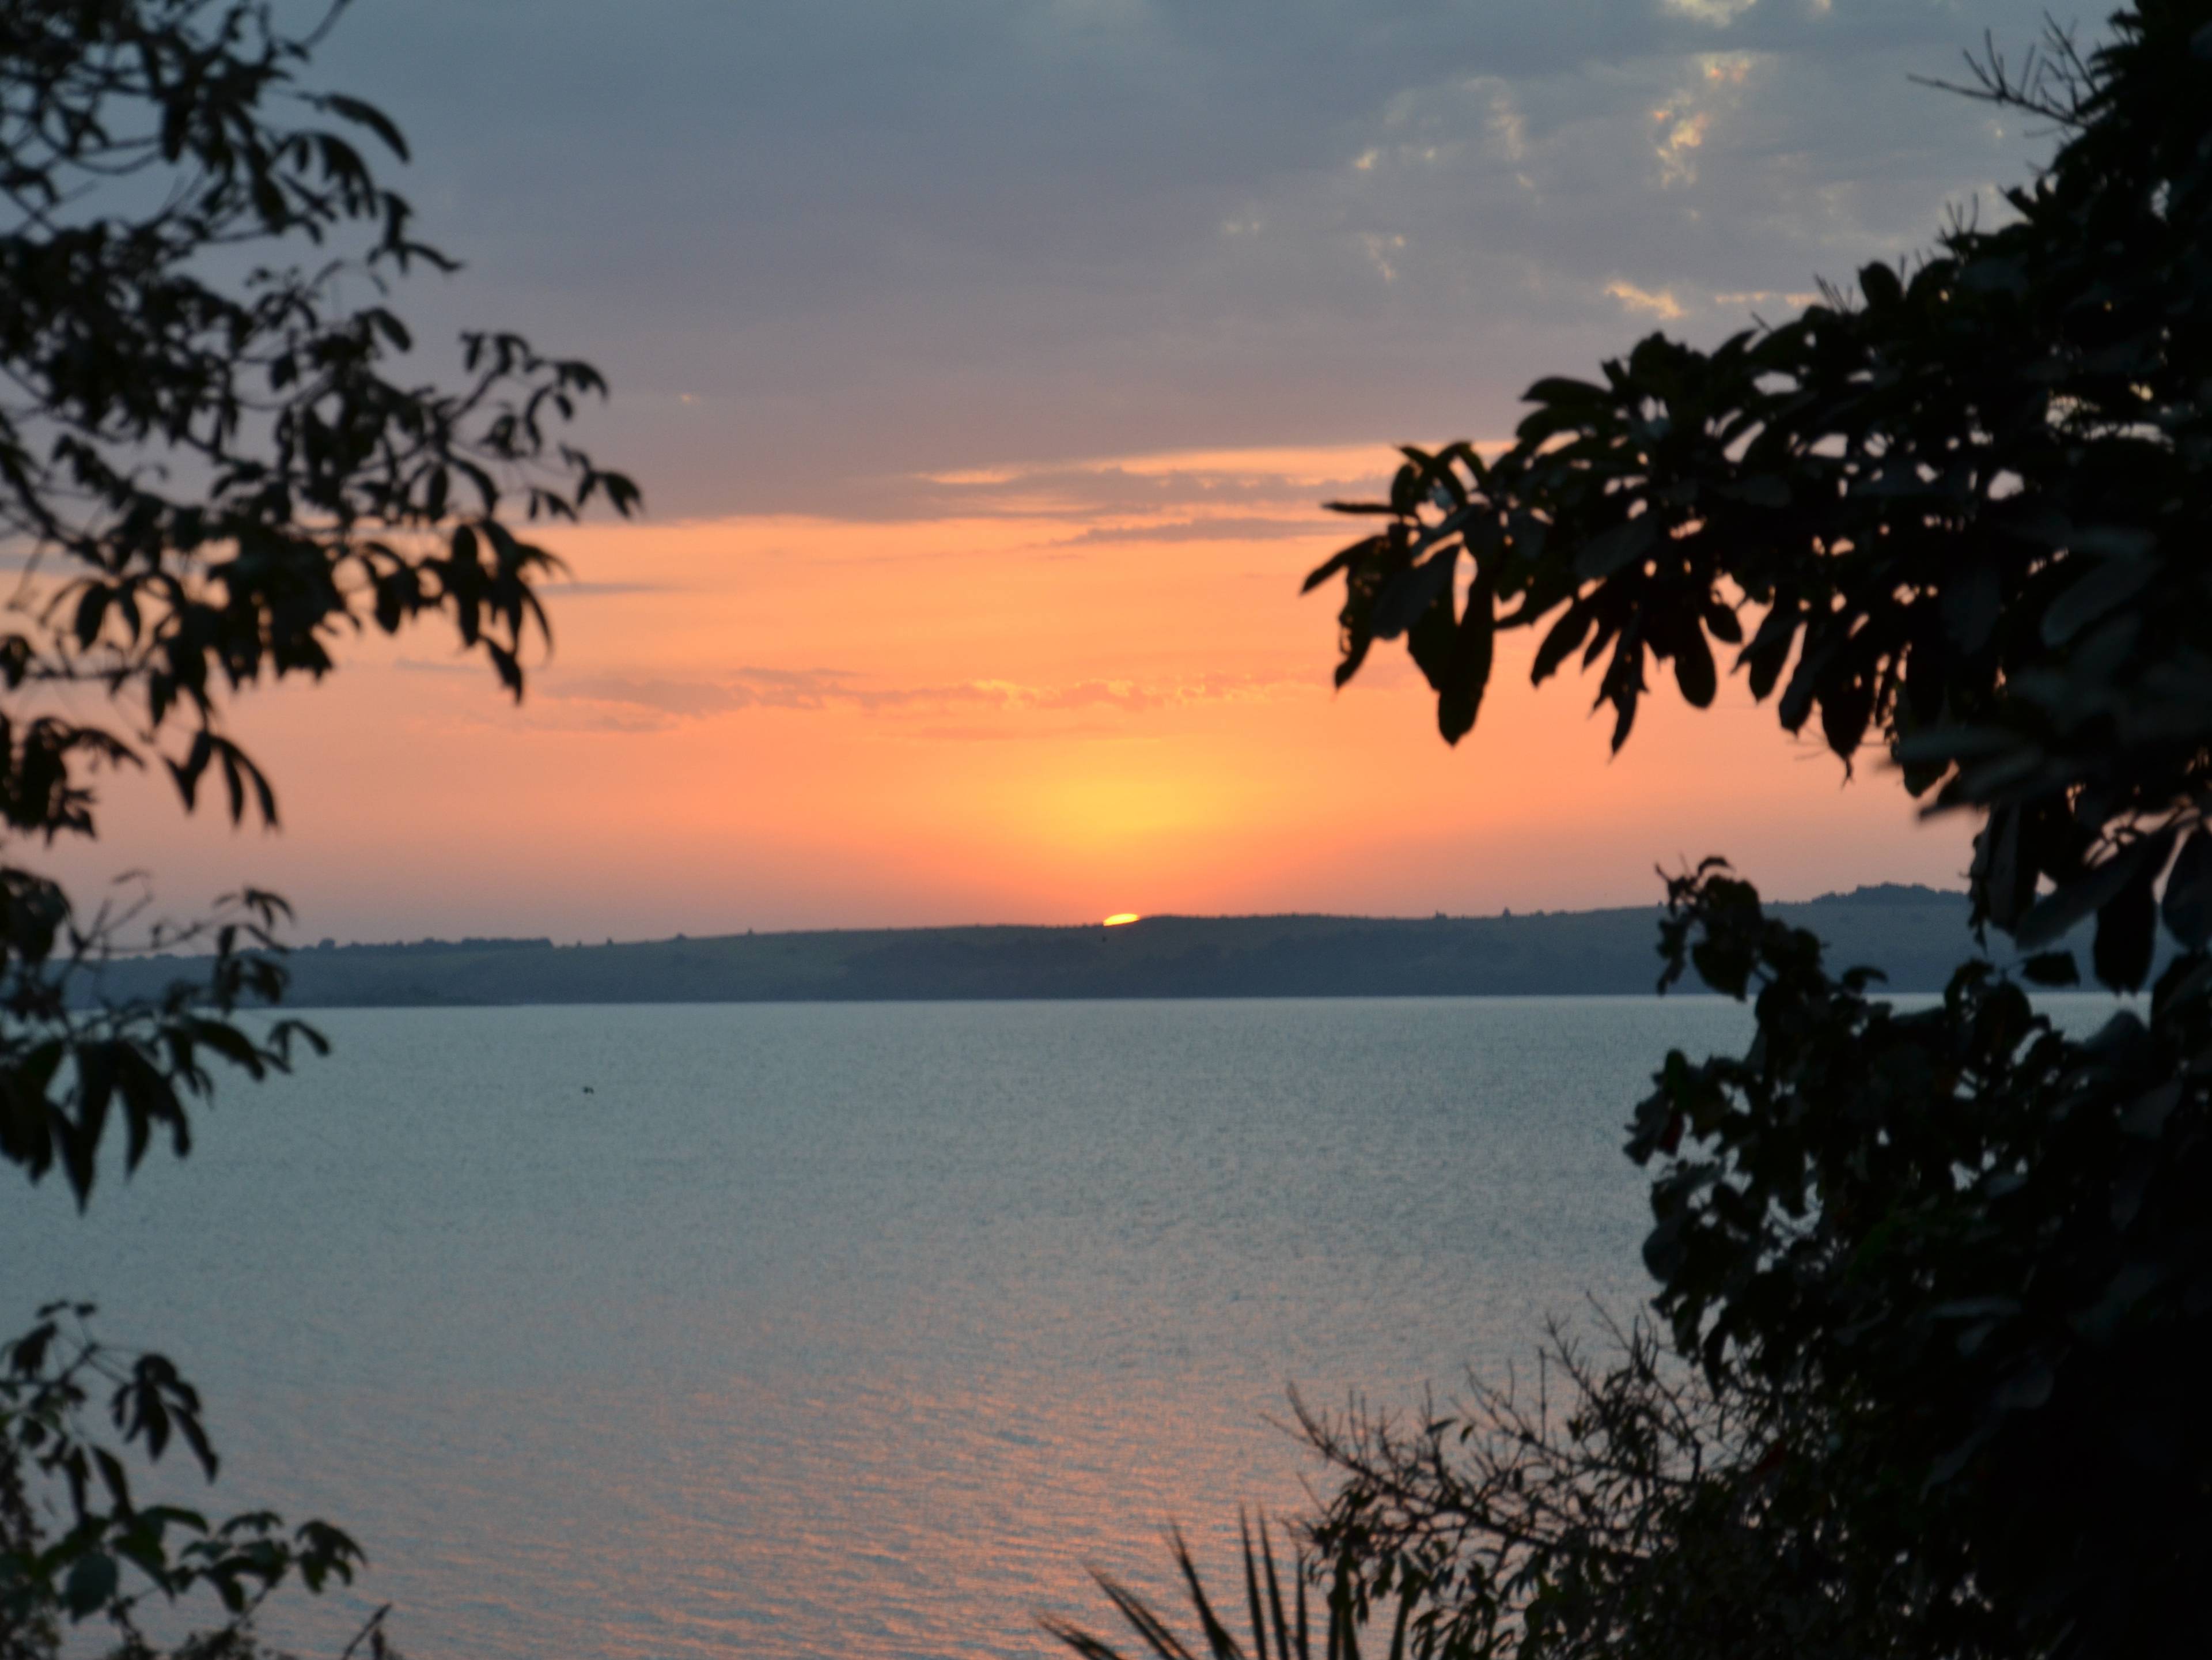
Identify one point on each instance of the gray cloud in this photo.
(630, 701)
(825, 248)
(1193, 530)
(1210, 493)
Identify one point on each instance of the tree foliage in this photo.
(215, 467)
(108, 1554)
(1276, 1613)
(1946, 1273)
(212, 472)
(1961, 518)
(1638, 1507)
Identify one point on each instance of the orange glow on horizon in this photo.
(786, 722)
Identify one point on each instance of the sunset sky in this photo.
(984, 363)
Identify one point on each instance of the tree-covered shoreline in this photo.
(1913, 935)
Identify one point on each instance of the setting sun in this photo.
(1121, 917)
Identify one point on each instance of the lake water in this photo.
(850, 1330)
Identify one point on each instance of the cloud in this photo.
(644, 701)
(1662, 305)
(1718, 14)
(1796, 301)
(1206, 530)
(1242, 492)
(1681, 136)
(822, 248)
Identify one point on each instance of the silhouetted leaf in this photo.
(1565, 639)
(1412, 593)
(92, 1581)
(2109, 583)
(1879, 283)
(1613, 551)
(2127, 928)
(2074, 902)
(1760, 489)
(1693, 669)
(2188, 905)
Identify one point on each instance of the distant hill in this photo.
(1915, 935)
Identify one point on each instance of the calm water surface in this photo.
(846, 1330)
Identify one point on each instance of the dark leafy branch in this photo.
(1982, 1239)
(1963, 518)
(1634, 1507)
(215, 468)
(209, 484)
(76, 1545)
(1275, 1612)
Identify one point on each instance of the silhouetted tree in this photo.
(1950, 1271)
(211, 473)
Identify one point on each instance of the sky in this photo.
(984, 363)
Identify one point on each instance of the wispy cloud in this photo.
(1226, 529)
(1661, 304)
(1718, 14)
(631, 701)
(1795, 299)
(1245, 491)
(598, 590)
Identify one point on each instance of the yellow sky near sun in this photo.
(1027, 714)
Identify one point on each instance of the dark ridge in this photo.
(1915, 935)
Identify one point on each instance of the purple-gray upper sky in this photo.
(825, 245)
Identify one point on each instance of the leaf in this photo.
(2114, 542)
(1879, 283)
(1565, 637)
(1971, 604)
(1622, 687)
(2000, 880)
(1342, 558)
(1846, 705)
(1760, 489)
(91, 1584)
(2188, 906)
(2127, 927)
(1459, 699)
(1614, 549)
(1796, 701)
(1406, 490)
(1693, 669)
(96, 1090)
(1410, 594)
(2052, 968)
(367, 115)
(112, 1478)
(1430, 642)
(1947, 743)
(2027, 1389)
(2110, 584)
(1769, 650)
(2146, 1118)
(2057, 912)
(1559, 389)
(91, 611)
